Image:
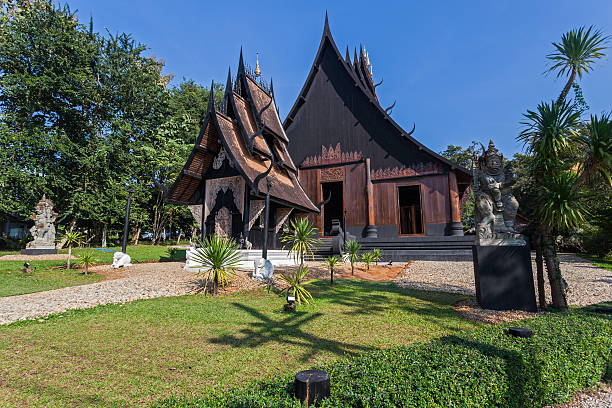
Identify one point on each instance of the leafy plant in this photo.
(301, 240)
(87, 259)
(367, 258)
(351, 255)
(296, 284)
(331, 261)
(377, 252)
(72, 238)
(219, 258)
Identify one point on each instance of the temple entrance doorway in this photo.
(334, 208)
(410, 214)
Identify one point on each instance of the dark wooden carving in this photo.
(332, 174)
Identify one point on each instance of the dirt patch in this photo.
(376, 273)
(469, 309)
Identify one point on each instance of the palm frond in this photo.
(578, 50)
(596, 145)
(547, 131)
(296, 283)
(561, 207)
(302, 239)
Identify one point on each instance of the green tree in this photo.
(331, 262)
(71, 238)
(459, 155)
(576, 54)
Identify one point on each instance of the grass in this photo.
(49, 275)
(605, 263)
(45, 275)
(133, 354)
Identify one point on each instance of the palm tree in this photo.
(301, 240)
(351, 255)
(87, 259)
(219, 258)
(576, 54)
(331, 261)
(596, 146)
(71, 238)
(547, 136)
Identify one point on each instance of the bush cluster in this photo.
(485, 368)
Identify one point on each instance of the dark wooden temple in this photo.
(384, 184)
(239, 156)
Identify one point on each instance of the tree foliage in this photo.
(83, 115)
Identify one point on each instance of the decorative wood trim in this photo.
(331, 156)
(419, 169)
(332, 174)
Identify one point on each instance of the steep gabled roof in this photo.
(360, 75)
(233, 130)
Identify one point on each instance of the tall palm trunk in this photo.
(557, 289)
(540, 269)
(567, 87)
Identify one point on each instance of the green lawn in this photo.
(605, 263)
(49, 275)
(132, 354)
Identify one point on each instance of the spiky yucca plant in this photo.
(367, 258)
(301, 240)
(377, 252)
(351, 255)
(218, 257)
(296, 283)
(72, 238)
(86, 259)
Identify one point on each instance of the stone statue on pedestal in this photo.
(495, 206)
(43, 230)
(502, 260)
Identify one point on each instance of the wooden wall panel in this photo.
(385, 203)
(309, 179)
(355, 199)
(436, 199)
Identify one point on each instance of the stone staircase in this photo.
(400, 249)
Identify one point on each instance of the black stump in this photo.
(312, 386)
(504, 278)
(520, 332)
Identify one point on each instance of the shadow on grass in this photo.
(286, 330)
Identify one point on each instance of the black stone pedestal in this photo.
(504, 278)
(39, 251)
(311, 386)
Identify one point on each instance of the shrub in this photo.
(486, 368)
(377, 252)
(302, 239)
(331, 261)
(87, 259)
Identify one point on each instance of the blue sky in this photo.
(461, 70)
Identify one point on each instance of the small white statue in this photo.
(263, 269)
(120, 260)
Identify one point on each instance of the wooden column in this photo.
(456, 227)
(203, 226)
(371, 231)
(245, 215)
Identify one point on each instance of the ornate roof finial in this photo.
(492, 150)
(257, 69)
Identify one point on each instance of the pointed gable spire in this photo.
(272, 95)
(211, 98)
(228, 90)
(241, 63)
(347, 57)
(326, 29)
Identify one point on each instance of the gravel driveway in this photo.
(587, 283)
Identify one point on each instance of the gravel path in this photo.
(597, 398)
(587, 283)
(141, 281)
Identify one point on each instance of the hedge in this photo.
(485, 368)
